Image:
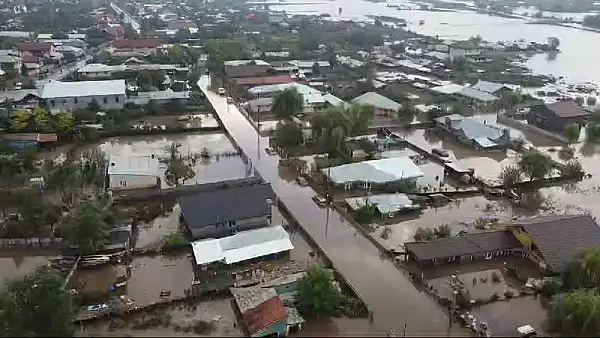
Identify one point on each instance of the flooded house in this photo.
(264, 314)
(64, 96)
(382, 106)
(553, 241)
(133, 172)
(557, 116)
(387, 205)
(465, 248)
(474, 132)
(497, 89)
(381, 172)
(216, 259)
(246, 68)
(224, 212)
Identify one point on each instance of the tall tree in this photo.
(89, 228)
(576, 313)
(584, 270)
(572, 132)
(36, 306)
(288, 103)
(288, 135)
(318, 295)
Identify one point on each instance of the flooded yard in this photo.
(504, 317)
(207, 318)
(459, 215)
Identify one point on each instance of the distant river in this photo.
(580, 50)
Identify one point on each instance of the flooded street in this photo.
(353, 254)
(579, 48)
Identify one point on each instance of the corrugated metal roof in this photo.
(385, 203)
(477, 95)
(377, 101)
(57, 89)
(488, 87)
(242, 246)
(221, 206)
(377, 171)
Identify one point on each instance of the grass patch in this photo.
(174, 242)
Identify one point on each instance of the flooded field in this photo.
(19, 266)
(459, 215)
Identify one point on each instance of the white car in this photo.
(221, 91)
(229, 100)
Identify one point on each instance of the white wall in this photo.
(69, 103)
(121, 182)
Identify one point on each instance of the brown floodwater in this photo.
(396, 304)
(19, 266)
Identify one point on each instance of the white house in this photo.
(64, 96)
(133, 172)
(382, 106)
(463, 50)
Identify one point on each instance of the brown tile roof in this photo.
(560, 238)
(266, 80)
(567, 109)
(468, 244)
(265, 315)
(34, 47)
(30, 59)
(141, 43)
(42, 138)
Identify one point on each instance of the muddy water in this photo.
(506, 316)
(18, 266)
(207, 170)
(155, 231)
(459, 215)
(387, 291)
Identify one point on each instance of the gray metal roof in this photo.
(377, 101)
(477, 95)
(472, 128)
(57, 89)
(488, 87)
(226, 205)
(560, 238)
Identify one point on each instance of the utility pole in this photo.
(328, 198)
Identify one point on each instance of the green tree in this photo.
(37, 305)
(178, 171)
(89, 229)
(572, 132)
(359, 118)
(536, 165)
(37, 120)
(576, 313)
(288, 135)
(584, 270)
(318, 295)
(510, 176)
(316, 69)
(288, 103)
(572, 168)
(64, 123)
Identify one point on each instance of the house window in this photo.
(105, 99)
(52, 103)
(489, 255)
(117, 99)
(75, 100)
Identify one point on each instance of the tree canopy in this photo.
(36, 306)
(572, 132)
(536, 165)
(584, 270)
(576, 313)
(331, 127)
(288, 103)
(288, 135)
(89, 228)
(318, 296)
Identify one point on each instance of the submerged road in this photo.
(395, 303)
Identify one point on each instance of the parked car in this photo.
(270, 151)
(221, 91)
(526, 331)
(229, 99)
(18, 86)
(320, 200)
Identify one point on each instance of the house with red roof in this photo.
(43, 49)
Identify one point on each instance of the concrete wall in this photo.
(118, 182)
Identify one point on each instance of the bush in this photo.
(551, 287)
(495, 297)
(443, 231)
(508, 294)
(175, 241)
(424, 234)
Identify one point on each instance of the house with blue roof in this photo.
(473, 132)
